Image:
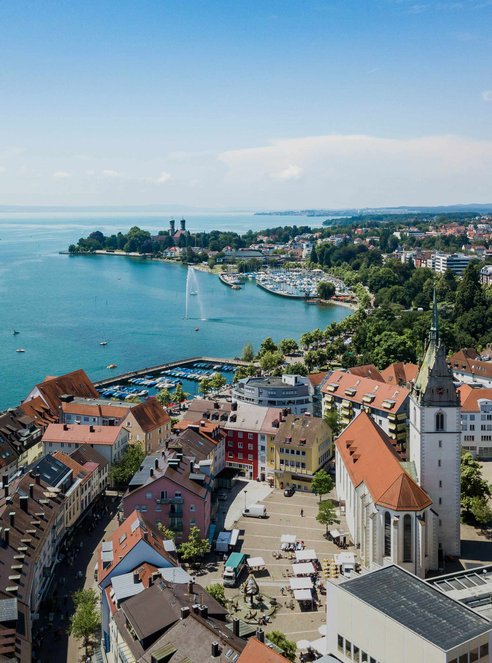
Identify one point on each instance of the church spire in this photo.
(434, 330)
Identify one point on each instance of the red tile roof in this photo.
(317, 378)
(468, 361)
(150, 415)
(369, 457)
(75, 383)
(400, 373)
(68, 461)
(95, 410)
(39, 411)
(78, 434)
(379, 395)
(131, 531)
(257, 652)
(469, 397)
(367, 371)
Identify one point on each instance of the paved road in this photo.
(74, 572)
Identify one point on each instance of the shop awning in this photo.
(305, 555)
(255, 562)
(303, 595)
(300, 583)
(288, 538)
(304, 569)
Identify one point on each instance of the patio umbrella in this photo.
(322, 629)
(303, 644)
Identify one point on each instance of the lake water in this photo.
(63, 306)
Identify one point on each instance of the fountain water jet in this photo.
(193, 289)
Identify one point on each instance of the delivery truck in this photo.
(232, 570)
(255, 511)
(226, 541)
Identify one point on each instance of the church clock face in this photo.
(440, 391)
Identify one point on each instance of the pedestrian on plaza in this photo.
(302, 513)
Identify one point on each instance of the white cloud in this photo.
(163, 177)
(111, 173)
(487, 95)
(292, 172)
(62, 175)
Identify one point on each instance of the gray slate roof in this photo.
(420, 607)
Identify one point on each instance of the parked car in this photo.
(289, 491)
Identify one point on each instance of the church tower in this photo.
(434, 444)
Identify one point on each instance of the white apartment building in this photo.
(476, 420)
(455, 262)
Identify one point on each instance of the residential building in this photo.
(390, 615)
(472, 587)
(476, 420)
(257, 651)
(95, 411)
(301, 447)
(486, 275)
(434, 444)
(172, 491)
(148, 424)
(455, 262)
(470, 366)
(22, 434)
(132, 544)
(388, 514)
(205, 440)
(386, 403)
(292, 391)
(109, 441)
(316, 380)
(8, 459)
(401, 374)
(248, 429)
(366, 371)
(89, 457)
(44, 400)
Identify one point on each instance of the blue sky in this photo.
(245, 103)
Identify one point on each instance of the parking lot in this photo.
(261, 537)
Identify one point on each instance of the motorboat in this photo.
(20, 350)
(103, 343)
(111, 366)
(197, 328)
(15, 332)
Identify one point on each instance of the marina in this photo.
(299, 283)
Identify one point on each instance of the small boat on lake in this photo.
(111, 366)
(197, 328)
(20, 350)
(103, 343)
(193, 293)
(15, 332)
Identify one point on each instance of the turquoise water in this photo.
(63, 306)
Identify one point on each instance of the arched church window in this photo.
(387, 534)
(407, 538)
(440, 421)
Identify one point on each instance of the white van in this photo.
(255, 511)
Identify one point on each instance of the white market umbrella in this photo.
(303, 644)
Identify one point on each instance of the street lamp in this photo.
(245, 493)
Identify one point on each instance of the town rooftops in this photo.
(87, 454)
(272, 382)
(150, 415)
(364, 391)
(52, 470)
(369, 457)
(178, 470)
(79, 434)
(400, 373)
(77, 470)
(120, 542)
(97, 407)
(469, 361)
(234, 416)
(256, 652)
(40, 413)
(301, 431)
(192, 443)
(470, 397)
(8, 454)
(418, 606)
(51, 390)
(367, 371)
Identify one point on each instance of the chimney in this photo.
(65, 427)
(182, 223)
(203, 610)
(156, 463)
(136, 577)
(31, 490)
(6, 489)
(151, 472)
(12, 518)
(5, 480)
(234, 406)
(190, 586)
(215, 649)
(38, 479)
(24, 503)
(260, 635)
(91, 429)
(172, 226)
(185, 611)
(195, 607)
(235, 626)
(6, 536)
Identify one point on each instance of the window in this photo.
(230, 444)
(177, 494)
(163, 494)
(440, 444)
(250, 447)
(250, 456)
(148, 495)
(348, 648)
(356, 653)
(439, 463)
(472, 427)
(407, 538)
(240, 456)
(340, 643)
(250, 436)
(240, 435)
(239, 445)
(363, 657)
(474, 655)
(440, 421)
(463, 658)
(387, 534)
(230, 454)
(484, 650)
(192, 507)
(440, 484)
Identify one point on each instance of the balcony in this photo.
(169, 500)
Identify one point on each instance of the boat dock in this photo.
(230, 280)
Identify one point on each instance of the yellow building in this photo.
(301, 447)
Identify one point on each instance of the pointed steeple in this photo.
(434, 330)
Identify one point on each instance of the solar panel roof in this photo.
(418, 606)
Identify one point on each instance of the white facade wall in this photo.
(110, 452)
(477, 430)
(436, 455)
(379, 636)
(471, 378)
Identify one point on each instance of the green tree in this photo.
(326, 290)
(86, 621)
(204, 385)
(180, 394)
(164, 397)
(390, 347)
(297, 368)
(270, 361)
(322, 484)
(217, 592)
(248, 353)
(167, 534)
(267, 345)
(288, 346)
(217, 381)
(475, 490)
(327, 514)
(122, 471)
(195, 547)
(245, 372)
(332, 418)
(288, 647)
(469, 293)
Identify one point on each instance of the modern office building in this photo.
(289, 391)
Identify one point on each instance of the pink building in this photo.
(172, 491)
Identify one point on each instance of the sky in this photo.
(245, 104)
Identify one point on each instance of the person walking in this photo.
(302, 513)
